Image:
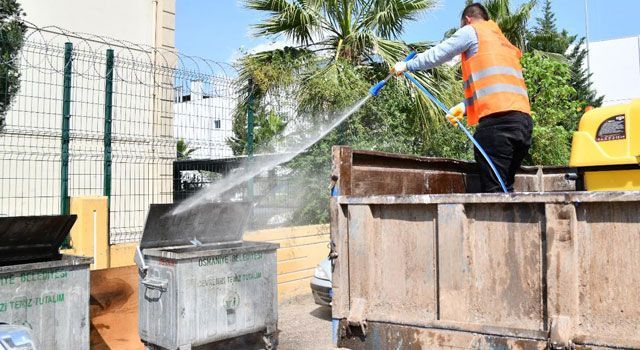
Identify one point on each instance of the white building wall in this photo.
(143, 141)
(204, 122)
(131, 20)
(615, 65)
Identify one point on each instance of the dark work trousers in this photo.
(506, 138)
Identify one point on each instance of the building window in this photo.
(216, 124)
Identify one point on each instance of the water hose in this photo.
(376, 89)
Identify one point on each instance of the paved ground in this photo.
(304, 325)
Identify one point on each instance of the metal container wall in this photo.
(369, 173)
(477, 271)
(52, 298)
(199, 295)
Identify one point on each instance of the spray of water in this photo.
(255, 168)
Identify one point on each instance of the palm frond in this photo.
(512, 23)
(298, 20)
(391, 51)
(387, 17)
(442, 83)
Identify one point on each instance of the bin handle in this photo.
(160, 285)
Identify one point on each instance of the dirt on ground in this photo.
(304, 325)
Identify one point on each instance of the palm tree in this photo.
(513, 23)
(354, 30)
(329, 34)
(184, 150)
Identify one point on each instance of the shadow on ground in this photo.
(322, 312)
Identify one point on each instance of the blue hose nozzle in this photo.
(375, 90)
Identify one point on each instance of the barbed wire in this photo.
(136, 62)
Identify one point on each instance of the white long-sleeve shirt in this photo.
(464, 39)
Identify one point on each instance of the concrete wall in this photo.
(301, 249)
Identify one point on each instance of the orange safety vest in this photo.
(493, 80)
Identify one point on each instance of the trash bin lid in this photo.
(25, 239)
(207, 223)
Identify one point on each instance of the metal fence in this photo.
(96, 116)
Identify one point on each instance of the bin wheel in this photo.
(270, 341)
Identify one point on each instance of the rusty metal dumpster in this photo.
(481, 271)
(200, 283)
(40, 288)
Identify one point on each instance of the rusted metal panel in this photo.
(394, 272)
(406, 283)
(489, 198)
(529, 269)
(368, 180)
(609, 272)
(389, 336)
(340, 263)
(365, 173)
(360, 248)
(492, 275)
(341, 167)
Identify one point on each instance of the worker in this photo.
(333, 186)
(494, 90)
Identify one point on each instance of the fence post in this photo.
(66, 118)
(108, 107)
(250, 136)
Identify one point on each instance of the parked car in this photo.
(321, 283)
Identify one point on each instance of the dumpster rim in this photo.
(67, 260)
(253, 246)
(521, 197)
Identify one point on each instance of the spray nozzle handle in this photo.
(376, 88)
(412, 54)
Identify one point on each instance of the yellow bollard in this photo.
(89, 235)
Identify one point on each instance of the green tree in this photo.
(545, 35)
(183, 150)
(547, 38)
(268, 126)
(264, 78)
(552, 108)
(353, 30)
(581, 78)
(385, 123)
(11, 40)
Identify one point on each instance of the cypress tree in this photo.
(581, 78)
(546, 37)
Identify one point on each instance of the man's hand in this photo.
(399, 68)
(456, 113)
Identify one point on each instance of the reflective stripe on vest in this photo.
(497, 70)
(492, 89)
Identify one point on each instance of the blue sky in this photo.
(216, 29)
